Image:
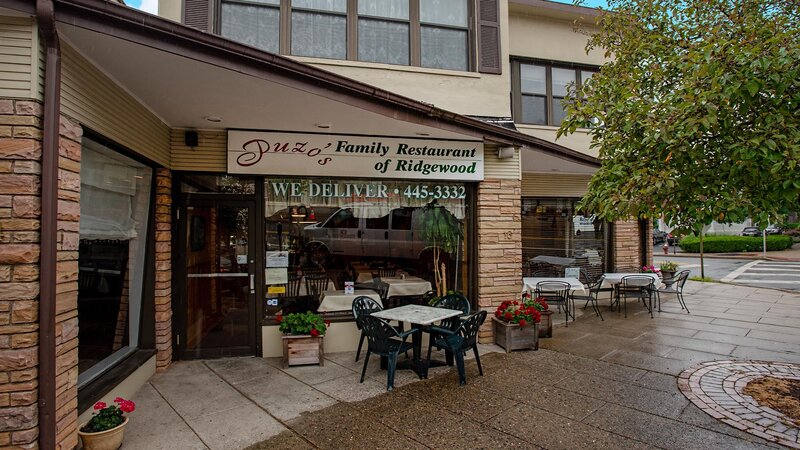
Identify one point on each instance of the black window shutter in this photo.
(196, 13)
(489, 36)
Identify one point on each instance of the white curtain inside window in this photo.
(108, 190)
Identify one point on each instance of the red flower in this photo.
(119, 400)
(99, 405)
(278, 318)
(127, 406)
(508, 316)
(314, 332)
(522, 323)
(327, 323)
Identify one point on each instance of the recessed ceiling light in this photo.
(422, 133)
(324, 126)
(215, 119)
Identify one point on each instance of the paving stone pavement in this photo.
(716, 388)
(595, 384)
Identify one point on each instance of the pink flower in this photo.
(99, 405)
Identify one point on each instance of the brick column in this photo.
(627, 248)
(69, 209)
(499, 246)
(163, 288)
(20, 221)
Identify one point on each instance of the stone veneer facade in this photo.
(627, 244)
(20, 224)
(499, 246)
(163, 276)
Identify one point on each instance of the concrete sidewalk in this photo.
(595, 384)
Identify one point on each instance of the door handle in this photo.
(386, 235)
(252, 283)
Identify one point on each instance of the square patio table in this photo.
(410, 285)
(419, 317)
(575, 285)
(615, 278)
(339, 301)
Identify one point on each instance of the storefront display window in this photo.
(115, 207)
(356, 230)
(555, 236)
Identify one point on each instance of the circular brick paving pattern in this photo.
(716, 388)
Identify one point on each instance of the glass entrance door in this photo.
(219, 285)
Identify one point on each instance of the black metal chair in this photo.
(640, 287)
(293, 285)
(675, 288)
(593, 295)
(363, 306)
(384, 340)
(458, 341)
(557, 293)
(316, 284)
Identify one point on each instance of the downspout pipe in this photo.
(45, 19)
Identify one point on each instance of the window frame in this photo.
(516, 86)
(351, 33)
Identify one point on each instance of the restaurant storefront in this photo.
(374, 211)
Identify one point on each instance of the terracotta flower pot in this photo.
(103, 440)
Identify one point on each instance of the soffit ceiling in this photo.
(183, 91)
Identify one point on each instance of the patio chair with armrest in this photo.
(316, 284)
(384, 340)
(450, 301)
(675, 288)
(458, 341)
(640, 287)
(557, 293)
(363, 306)
(593, 296)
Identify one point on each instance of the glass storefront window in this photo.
(356, 230)
(115, 208)
(555, 236)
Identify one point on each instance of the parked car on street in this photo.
(751, 231)
(671, 239)
(658, 236)
(774, 229)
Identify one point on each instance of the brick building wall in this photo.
(499, 246)
(627, 244)
(20, 222)
(163, 288)
(68, 239)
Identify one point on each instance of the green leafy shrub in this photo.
(669, 266)
(792, 226)
(731, 244)
(302, 324)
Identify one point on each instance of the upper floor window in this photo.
(425, 33)
(539, 90)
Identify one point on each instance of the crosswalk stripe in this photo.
(732, 276)
(749, 274)
(759, 269)
(767, 281)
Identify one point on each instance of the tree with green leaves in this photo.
(695, 115)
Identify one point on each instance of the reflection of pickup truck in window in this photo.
(345, 233)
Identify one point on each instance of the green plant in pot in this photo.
(442, 231)
(104, 431)
(668, 269)
(307, 323)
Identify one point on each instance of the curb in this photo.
(728, 256)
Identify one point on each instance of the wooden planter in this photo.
(511, 337)
(546, 325)
(302, 349)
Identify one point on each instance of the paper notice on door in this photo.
(278, 259)
(276, 275)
